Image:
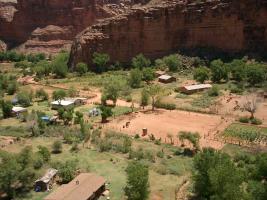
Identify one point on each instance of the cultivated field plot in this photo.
(162, 123)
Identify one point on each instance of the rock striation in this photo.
(46, 25)
(227, 25)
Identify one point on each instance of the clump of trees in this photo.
(59, 65)
(137, 186)
(101, 61)
(218, 176)
(17, 170)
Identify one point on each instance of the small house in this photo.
(86, 186)
(190, 89)
(45, 183)
(166, 79)
(62, 104)
(17, 110)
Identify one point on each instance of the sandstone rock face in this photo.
(46, 25)
(227, 25)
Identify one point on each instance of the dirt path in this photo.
(182, 193)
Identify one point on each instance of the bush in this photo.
(167, 106)
(214, 91)
(59, 65)
(6, 108)
(172, 62)
(201, 74)
(38, 162)
(135, 78)
(160, 154)
(256, 121)
(12, 88)
(24, 99)
(42, 94)
(81, 68)
(100, 61)
(57, 147)
(244, 119)
(44, 152)
(140, 62)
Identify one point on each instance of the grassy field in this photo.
(112, 166)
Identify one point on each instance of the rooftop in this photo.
(198, 86)
(80, 188)
(62, 102)
(48, 175)
(165, 76)
(18, 109)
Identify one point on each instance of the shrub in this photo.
(172, 62)
(57, 147)
(214, 91)
(160, 154)
(167, 106)
(6, 108)
(256, 121)
(44, 152)
(81, 68)
(201, 74)
(135, 78)
(59, 65)
(38, 162)
(42, 94)
(12, 88)
(140, 62)
(24, 99)
(244, 119)
(101, 61)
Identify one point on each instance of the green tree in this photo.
(137, 186)
(12, 88)
(6, 108)
(112, 91)
(216, 176)
(24, 98)
(81, 68)
(44, 152)
(105, 112)
(201, 74)
(148, 75)
(100, 60)
(59, 65)
(144, 98)
(155, 92)
(135, 78)
(67, 170)
(219, 71)
(172, 62)
(140, 62)
(57, 147)
(255, 74)
(59, 95)
(238, 70)
(41, 94)
(191, 137)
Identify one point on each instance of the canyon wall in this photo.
(46, 25)
(227, 25)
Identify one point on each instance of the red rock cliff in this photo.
(227, 25)
(46, 25)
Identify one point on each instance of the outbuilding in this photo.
(166, 78)
(77, 100)
(17, 110)
(190, 89)
(45, 183)
(62, 104)
(86, 186)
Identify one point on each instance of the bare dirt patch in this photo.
(162, 123)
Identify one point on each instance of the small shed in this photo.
(166, 78)
(45, 183)
(190, 89)
(62, 104)
(17, 110)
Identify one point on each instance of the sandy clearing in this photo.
(162, 122)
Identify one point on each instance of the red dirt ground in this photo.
(162, 122)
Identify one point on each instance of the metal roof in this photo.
(62, 103)
(48, 175)
(165, 77)
(80, 188)
(18, 109)
(197, 87)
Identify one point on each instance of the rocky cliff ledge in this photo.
(227, 25)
